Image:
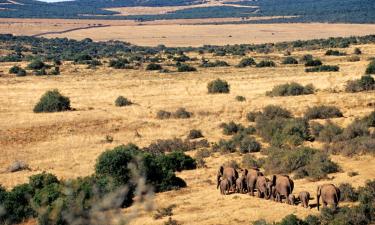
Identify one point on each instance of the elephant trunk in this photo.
(318, 197)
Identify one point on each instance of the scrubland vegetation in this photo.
(184, 123)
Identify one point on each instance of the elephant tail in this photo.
(318, 196)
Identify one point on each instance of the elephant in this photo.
(304, 197)
(227, 172)
(329, 193)
(224, 186)
(261, 186)
(283, 187)
(251, 179)
(291, 200)
(241, 185)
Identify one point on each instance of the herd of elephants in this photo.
(277, 188)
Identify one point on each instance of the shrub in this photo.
(52, 101)
(169, 145)
(331, 52)
(154, 66)
(327, 133)
(273, 111)
(224, 146)
(178, 161)
(306, 58)
(266, 63)
(291, 89)
(181, 113)
(323, 68)
(231, 128)
(171, 221)
(348, 193)
(283, 132)
(353, 173)
(36, 64)
(251, 116)
(313, 62)
(39, 181)
(122, 101)
(352, 147)
(357, 128)
(119, 63)
(249, 144)
(371, 68)
(289, 60)
(216, 63)
(245, 62)
(240, 98)
(366, 83)
(370, 119)
(305, 162)
(14, 69)
(248, 161)
(161, 114)
(167, 211)
(17, 204)
(185, 68)
(194, 134)
(218, 86)
(354, 58)
(357, 51)
(323, 112)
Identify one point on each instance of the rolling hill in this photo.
(333, 11)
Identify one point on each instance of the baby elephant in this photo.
(240, 185)
(304, 197)
(291, 200)
(224, 186)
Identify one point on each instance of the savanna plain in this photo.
(69, 143)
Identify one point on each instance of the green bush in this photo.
(251, 116)
(185, 68)
(371, 68)
(154, 66)
(224, 146)
(119, 63)
(283, 132)
(303, 161)
(323, 68)
(248, 161)
(357, 128)
(169, 145)
(357, 51)
(52, 101)
(122, 101)
(291, 89)
(161, 114)
(323, 112)
(231, 128)
(289, 60)
(17, 204)
(194, 134)
(370, 119)
(331, 52)
(14, 69)
(274, 111)
(245, 62)
(327, 133)
(39, 181)
(348, 193)
(21, 73)
(366, 83)
(249, 144)
(266, 63)
(182, 113)
(240, 98)
(216, 63)
(36, 64)
(313, 62)
(177, 161)
(218, 86)
(306, 58)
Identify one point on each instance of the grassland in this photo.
(67, 144)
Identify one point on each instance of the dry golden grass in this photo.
(198, 35)
(68, 143)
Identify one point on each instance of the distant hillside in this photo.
(344, 11)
